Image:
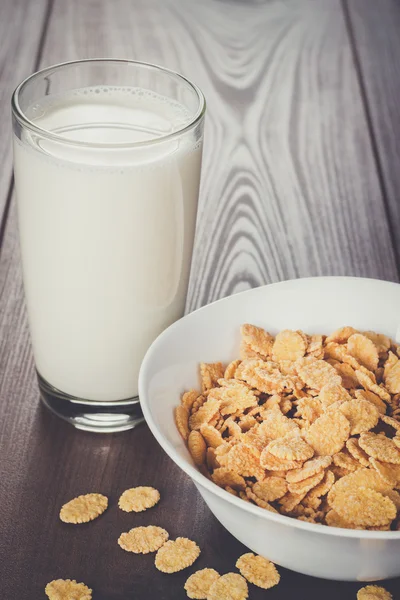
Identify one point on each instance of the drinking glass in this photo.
(107, 159)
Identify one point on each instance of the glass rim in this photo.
(23, 120)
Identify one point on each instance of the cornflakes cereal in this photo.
(361, 414)
(67, 589)
(197, 447)
(364, 507)
(356, 452)
(341, 335)
(182, 420)
(270, 489)
(198, 585)
(305, 485)
(288, 345)
(142, 540)
(230, 586)
(272, 463)
(373, 398)
(363, 350)
(176, 555)
(290, 447)
(83, 508)
(225, 477)
(309, 468)
(318, 373)
(205, 413)
(210, 373)
(380, 447)
(138, 499)
(332, 393)
(258, 570)
(373, 592)
(275, 427)
(258, 339)
(390, 473)
(328, 434)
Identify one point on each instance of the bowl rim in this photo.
(201, 480)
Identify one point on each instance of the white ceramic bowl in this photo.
(317, 305)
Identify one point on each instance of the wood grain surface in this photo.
(293, 185)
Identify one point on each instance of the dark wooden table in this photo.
(301, 177)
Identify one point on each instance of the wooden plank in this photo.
(21, 26)
(289, 189)
(375, 27)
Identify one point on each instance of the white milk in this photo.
(106, 235)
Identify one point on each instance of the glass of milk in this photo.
(107, 157)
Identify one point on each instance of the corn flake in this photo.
(364, 507)
(258, 570)
(226, 477)
(309, 468)
(341, 335)
(373, 592)
(290, 447)
(189, 398)
(373, 398)
(67, 589)
(332, 393)
(205, 413)
(83, 508)
(272, 463)
(258, 339)
(176, 555)
(288, 345)
(333, 519)
(230, 371)
(390, 473)
(142, 540)
(380, 447)
(198, 585)
(211, 435)
(276, 425)
(346, 461)
(318, 373)
(368, 383)
(309, 409)
(356, 452)
(209, 374)
(197, 447)
(245, 460)
(230, 586)
(270, 489)
(361, 414)
(182, 420)
(305, 485)
(328, 434)
(391, 375)
(138, 499)
(363, 350)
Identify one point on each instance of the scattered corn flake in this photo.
(288, 345)
(328, 434)
(346, 461)
(138, 499)
(176, 555)
(373, 398)
(380, 447)
(332, 393)
(390, 473)
(182, 420)
(333, 519)
(356, 452)
(67, 589)
(205, 413)
(258, 570)
(290, 447)
(270, 489)
(189, 398)
(142, 540)
(309, 409)
(276, 425)
(245, 460)
(230, 371)
(363, 350)
(230, 586)
(309, 468)
(318, 373)
(226, 477)
(258, 339)
(272, 463)
(341, 335)
(305, 485)
(197, 447)
(368, 383)
(373, 592)
(83, 508)
(364, 506)
(198, 585)
(209, 374)
(361, 414)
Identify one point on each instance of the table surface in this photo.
(301, 177)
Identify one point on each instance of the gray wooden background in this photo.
(301, 163)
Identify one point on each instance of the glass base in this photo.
(91, 415)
